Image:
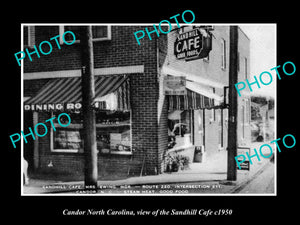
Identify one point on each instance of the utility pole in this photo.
(232, 123)
(88, 94)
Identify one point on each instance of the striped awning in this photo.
(67, 91)
(191, 100)
(197, 97)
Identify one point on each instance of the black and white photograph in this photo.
(184, 113)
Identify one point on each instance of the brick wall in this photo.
(148, 103)
(162, 133)
(211, 70)
(144, 95)
(32, 87)
(121, 50)
(65, 164)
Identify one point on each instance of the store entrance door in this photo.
(199, 136)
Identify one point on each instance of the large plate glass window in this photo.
(113, 133)
(180, 129)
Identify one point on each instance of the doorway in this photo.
(28, 147)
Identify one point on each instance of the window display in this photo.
(112, 133)
(67, 139)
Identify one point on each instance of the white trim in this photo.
(51, 74)
(36, 153)
(119, 70)
(212, 115)
(77, 73)
(223, 53)
(30, 38)
(148, 24)
(105, 38)
(78, 126)
(65, 150)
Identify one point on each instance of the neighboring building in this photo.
(133, 135)
(211, 74)
(262, 119)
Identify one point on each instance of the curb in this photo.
(237, 186)
(241, 185)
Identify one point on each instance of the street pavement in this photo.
(208, 177)
(181, 183)
(263, 183)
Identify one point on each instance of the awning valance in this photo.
(197, 97)
(65, 94)
(200, 94)
(191, 100)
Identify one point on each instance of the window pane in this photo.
(76, 118)
(112, 132)
(99, 31)
(103, 140)
(67, 139)
(179, 128)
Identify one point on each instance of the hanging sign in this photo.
(63, 106)
(193, 44)
(245, 165)
(175, 85)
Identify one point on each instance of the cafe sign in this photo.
(100, 105)
(193, 44)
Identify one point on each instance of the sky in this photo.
(262, 54)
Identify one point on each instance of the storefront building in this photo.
(209, 76)
(135, 116)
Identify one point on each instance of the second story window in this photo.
(29, 36)
(223, 54)
(74, 29)
(100, 33)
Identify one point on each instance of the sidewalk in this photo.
(213, 172)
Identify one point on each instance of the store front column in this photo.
(35, 144)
